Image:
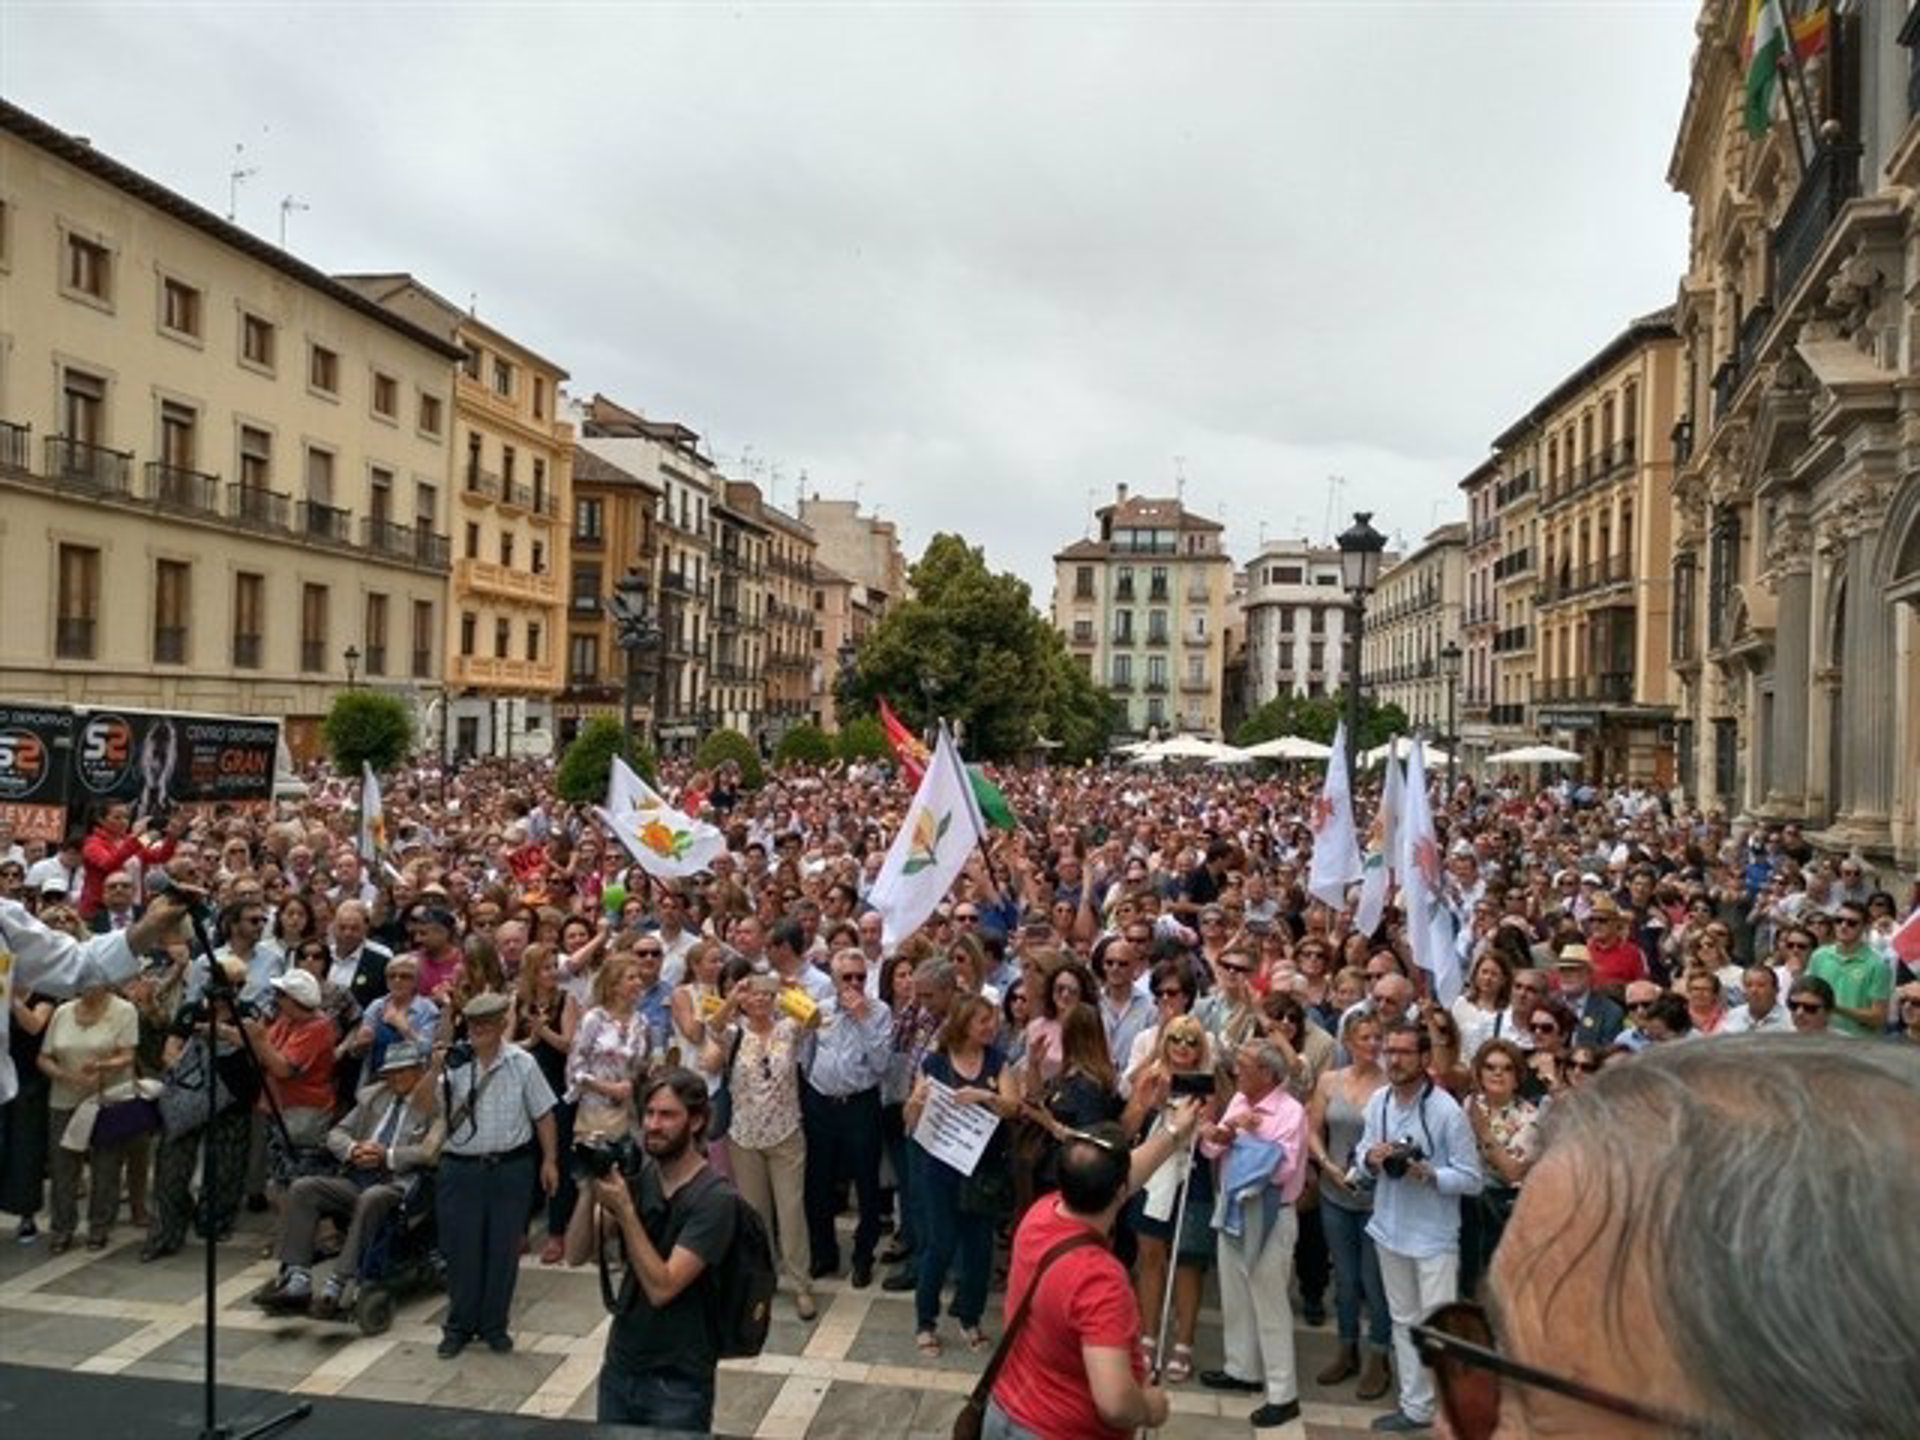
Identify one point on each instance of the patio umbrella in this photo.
(1402, 747)
(1189, 747)
(1290, 747)
(1536, 755)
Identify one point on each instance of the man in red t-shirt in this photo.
(1617, 960)
(295, 1050)
(1074, 1371)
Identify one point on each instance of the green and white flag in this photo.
(942, 827)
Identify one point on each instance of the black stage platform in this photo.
(56, 1403)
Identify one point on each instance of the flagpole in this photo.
(1790, 73)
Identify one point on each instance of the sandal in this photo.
(1180, 1367)
(975, 1337)
(928, 1344)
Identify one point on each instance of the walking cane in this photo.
(1173, 1257)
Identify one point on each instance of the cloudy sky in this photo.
(973, 263)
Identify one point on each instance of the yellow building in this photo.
(844, 610)
(788, 656)
(1412, 617)
(225, 473)
(615, 538)
(1141, 607)
(512, 460)
(737, 679)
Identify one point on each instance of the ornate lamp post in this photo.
(1360, 549)
(637, 632)
(1450, 667)
(352, 657)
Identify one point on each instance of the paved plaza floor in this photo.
(854, 1372)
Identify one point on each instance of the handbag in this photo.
(972, 1419)
(720, 1104)
(988, 1191)
(183, 1096)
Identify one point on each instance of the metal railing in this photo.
(1832, 179)
(169, 644)
(261, 508)
(326, 523)
(84, 466)
(246, 652)
(16, 446)
(73, 637)
(313, 656)
(172, 487)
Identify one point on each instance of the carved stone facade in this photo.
(1796, 492)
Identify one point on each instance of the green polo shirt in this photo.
(1858, 980)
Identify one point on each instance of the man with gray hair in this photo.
(1261, 1146)
(1721, 1256)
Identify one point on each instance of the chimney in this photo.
(1120, 492)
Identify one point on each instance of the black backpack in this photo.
(741, 1293)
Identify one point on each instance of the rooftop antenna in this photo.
(473, 304)
(1263, 534)
(240, 173)
(860, 484)
(1091, 509)
(287, 206)
(1180, 478)
(773, 485)
(1334, 483)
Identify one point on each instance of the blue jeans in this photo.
(662, 1399)
(1356, 1272)
(946, 1235)
(1002, 1426)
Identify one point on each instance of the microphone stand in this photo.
(1185, 1155)
(219, 991)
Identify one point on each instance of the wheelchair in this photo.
(402, 1260)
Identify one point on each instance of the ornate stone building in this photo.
(1411, 618)
(1796, 634)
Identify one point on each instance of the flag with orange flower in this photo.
(662, 840)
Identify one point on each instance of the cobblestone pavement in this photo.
(854, 1372)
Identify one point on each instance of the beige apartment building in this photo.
(1582, 586)
(1412, 617)
(225, 473)
(614, 539)
(736, 674)
(1475, 730)
(1141, 606)
(1796, 634)
(512, 458)
(844, 610)
(788, 656)
(1296, 621)
(857, 545)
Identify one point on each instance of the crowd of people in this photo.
(1136, 974)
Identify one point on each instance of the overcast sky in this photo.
(974, 262)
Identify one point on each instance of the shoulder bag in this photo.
(972, 1419)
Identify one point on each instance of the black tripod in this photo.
(220, 992)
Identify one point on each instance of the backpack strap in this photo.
(983, 1390)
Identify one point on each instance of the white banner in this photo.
(953, 1131)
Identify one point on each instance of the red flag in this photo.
(908, 752)
(1906, 940)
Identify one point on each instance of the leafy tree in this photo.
(969, 646)
(588, 762)
(1314, 717)
(367, 726)
(723, 745)
(862, 738)
(804, 744)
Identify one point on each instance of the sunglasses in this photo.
(1238, 969)
(1850, 922)
(1794, 945)
(648, 952)
(1183, 1039)
(859, 978)
(1544, 1027)
(1469, 1373)
(1587, 1067)
(1806, 1007)
(1172, 993)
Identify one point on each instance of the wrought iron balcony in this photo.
(78, 465)
(246, 652)
(16, 446)
(258, 507)
(326, 523)
(189, 492)
(73, 637)
(1832, 179)
(169, 644)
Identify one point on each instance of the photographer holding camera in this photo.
(1418, 1151)
(674, 1219)
(498, 1106)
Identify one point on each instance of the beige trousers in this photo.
(773, 1181)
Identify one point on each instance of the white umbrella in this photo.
(1536, 755)
(1290, 747)
(1189, 747)
(1232, 757)
(1402, 747)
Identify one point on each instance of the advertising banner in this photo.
(35, 741)
(156, 761)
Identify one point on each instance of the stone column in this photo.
(1868, 663)
(1790, 559)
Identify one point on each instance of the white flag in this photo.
(1336, 853)
(1429, 922)
(942, 828)
(1383, 850)
(662, 840)
(373, 816)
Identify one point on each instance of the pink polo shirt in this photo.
(1283, 1122)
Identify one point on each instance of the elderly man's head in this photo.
(1257, 1068)
(1657, 1171)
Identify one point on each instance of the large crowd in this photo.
(488, 1003)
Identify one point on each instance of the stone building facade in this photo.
(1412, 616)
(1796, 631)
(1296, 622)
(1477, 625)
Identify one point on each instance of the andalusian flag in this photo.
(664, 841)
(1765, 48)
(373, 816)
(940, 831)
(911, 756)
(1336, 851)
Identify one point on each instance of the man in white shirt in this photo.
(675, 939)
(1763, 1010)
(63, 865)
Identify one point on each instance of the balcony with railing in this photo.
(186, 492)
(1121, 684)
(169, 644)
(1569, 581)
(259, 508)
(328, 524)
(483, 577)
(480, 485)
(78, 465)
(73, 637)
(516, 496)
(1123, 591)
(1517, 562)
(16, 447)
(246, 652)
(374, 658)
(1156, 687)
(501, 673)
(313, 656)
(1831, 180)
(1513, 638)
(1511, 715)
(676, 581)
(414, 545)
(1195, 685)
(1158, 639)
(1608, 687)
(1508, 492)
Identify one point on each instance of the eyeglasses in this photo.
(1806, 1007)
(1501, 1069)
(859, 978)
(1544, 1027)
(649, 952)
(1793, 945)
(1457, 1343)
(1851, 922)
(1237, 969)
(1172, 992)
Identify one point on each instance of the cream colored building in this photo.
(844, 609)
(1296, 621)
(1475, 730)
(614, 536)
(1412, 616)
(1796, 635)
(666, 454)
(512, 456)
(223, 470)
(858, 546)
(1141, 608)
(788, 656)
(737, 676)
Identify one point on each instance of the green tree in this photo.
(804, 744)
(723, 745)
(1314, 717)
(367, 726)
(969, 646)
(588, 762)
(862, 738)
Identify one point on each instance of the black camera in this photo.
(459, 1054)
(1405, 1151)
(1195, 1084)
(598, 1156)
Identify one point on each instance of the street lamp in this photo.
(636, 632)
(1450, 667)
(352, 657)
(1360, 549)
(847, 656)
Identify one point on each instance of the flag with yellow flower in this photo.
(942, 827)
(662, 840)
